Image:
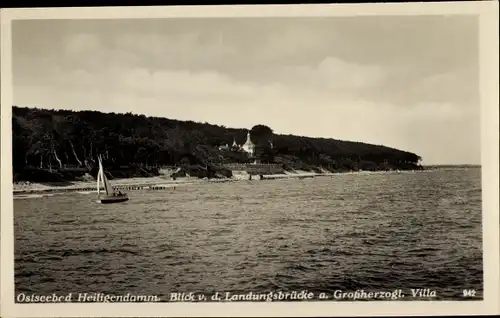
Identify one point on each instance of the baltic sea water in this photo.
(370, 231)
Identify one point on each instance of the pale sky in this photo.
(404, 82)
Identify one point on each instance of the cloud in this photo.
(449, 87)
(81, 44)
(334, 75)
(218, 98)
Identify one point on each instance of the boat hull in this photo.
(113, 199)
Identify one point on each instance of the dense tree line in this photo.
(61, 138)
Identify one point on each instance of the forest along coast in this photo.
(56, 150)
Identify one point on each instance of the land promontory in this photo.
(62, 145)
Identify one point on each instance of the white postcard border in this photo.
(488, 13)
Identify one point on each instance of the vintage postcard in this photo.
(291, 160)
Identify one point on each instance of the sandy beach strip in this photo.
(22, 188)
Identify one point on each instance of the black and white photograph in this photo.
(301, 156)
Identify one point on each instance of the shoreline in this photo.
(161, 183)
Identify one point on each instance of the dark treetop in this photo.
(61, 140)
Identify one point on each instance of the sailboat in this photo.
(111, 196)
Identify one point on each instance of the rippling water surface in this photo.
(380, 231)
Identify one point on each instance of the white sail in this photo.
(98, 184)
(107, 186)
(99, 177)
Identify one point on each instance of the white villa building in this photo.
(248, 146)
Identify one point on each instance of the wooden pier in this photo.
(118, 187)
